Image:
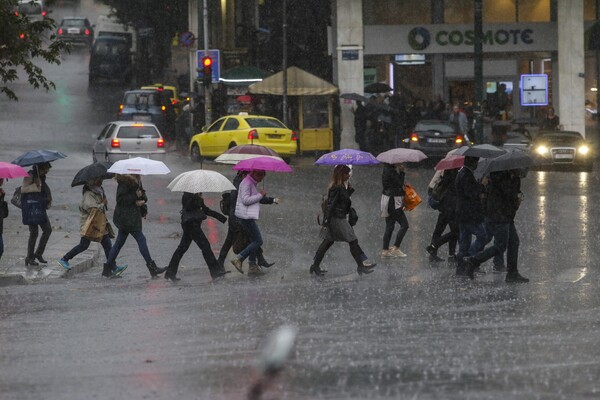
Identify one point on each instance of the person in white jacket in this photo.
(247, 209)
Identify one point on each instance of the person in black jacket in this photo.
(469, 213)
(336, 225)
(392, 208)
(503, 199)
(446, 217)
(193, 212)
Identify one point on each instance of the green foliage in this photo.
(22, 43)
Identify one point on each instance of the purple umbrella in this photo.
(264, 164)
(347, 156)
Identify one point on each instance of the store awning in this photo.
(299, 83)
(243, 75)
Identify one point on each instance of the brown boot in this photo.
(255, 270)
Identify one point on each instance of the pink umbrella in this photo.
(9, 171)
(451, 161)
(264, 164)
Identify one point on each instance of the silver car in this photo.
(126, 139)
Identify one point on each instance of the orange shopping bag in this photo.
(411, 198)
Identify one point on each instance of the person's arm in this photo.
(246, 196)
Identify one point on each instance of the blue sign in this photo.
(215, 55)
(534, 90)
(186, 39)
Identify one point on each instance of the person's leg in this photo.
(400, 217)
(464, 243)
(226, 244)
(390, 223)
(499, 231)
(323, 247)
(83, 245)
(256, 241)
(116, 248)
(512, 257)
(453, 237)
(46, 232)
(362, 267)
(106, 245)
(1, 246)
(481, 238)
(209, 257)
(184, 245)
(438, 230)
(33, 234)
(143, 247)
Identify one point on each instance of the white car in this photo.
(127, 139)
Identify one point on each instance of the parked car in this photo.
(562, 149)
(435, 138)
(75, 30)
(233, 130)
(110, 60)
(126, 139)
(34, 10)
(147, 105)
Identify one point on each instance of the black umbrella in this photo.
(377, 87)
(37, 157)
(480, 150)
(354, 96)
(514, 159)
(91, 172)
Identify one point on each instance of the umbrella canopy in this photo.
(354, 96)
(200, 181)
(347, 156)
(38, 157)
(245, 152)
(378, 87)
(299, 83)
(9, 171)
(480, 150)
(513, 159)
(401, 155)
(91, 172)
(139, 166)
(451, 161)
(236, 158)
(263, 164)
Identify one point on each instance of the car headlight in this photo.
(583, 150)
(541, 150)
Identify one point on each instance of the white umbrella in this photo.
(200, 181)
(139, 166)
(236, 158)
(401, 155)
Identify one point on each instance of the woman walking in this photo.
(392, 208)
(93, 199)
(338, 229)
(34, 186)
(193, 212)
(130, 208)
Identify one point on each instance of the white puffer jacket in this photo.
(248, 201)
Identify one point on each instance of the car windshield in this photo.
(110, 48)
(561, 138)
(264, 123)
(441, 127)
(134, 132)
(141, 99)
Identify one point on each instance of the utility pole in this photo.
(284, 64)
(478, 68)
(193, 27)
(208, 88)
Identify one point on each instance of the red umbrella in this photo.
(246, 99)
(9, 171)
(451, 161)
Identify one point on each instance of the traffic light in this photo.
(207, 63)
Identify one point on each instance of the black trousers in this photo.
(192, 231)
(355, 250)
(33, 234)
(438, 238)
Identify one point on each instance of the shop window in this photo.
(497, 11)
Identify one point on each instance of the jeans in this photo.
(355, 250)
(398, 216)
(506, 239)
(120, 241)
(253, 231)
(83, 245)
(465, 247)
(33, 234)
(193, 232)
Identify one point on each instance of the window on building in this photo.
(394, 12)
(497, 11)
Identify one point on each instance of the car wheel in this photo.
(195, 154)
(232, 144)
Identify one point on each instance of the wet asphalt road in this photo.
(410, 330)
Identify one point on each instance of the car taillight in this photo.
(294, 136)
(16, 13)
(115, 143)
(459, 139)
(160, 143)
(120, 107)
(60, 31)
(22, 36)
(253, 134)
(174, 102)
(414, 137)
(44, 13)
(87, 32)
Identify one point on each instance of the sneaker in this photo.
(515, 278)
(255, 270)
(64, 263)
(497, 269)
(119, 270)
(396, 252)
(387, 254)
(237, 263)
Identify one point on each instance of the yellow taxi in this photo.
(234, 130)
(170, 92)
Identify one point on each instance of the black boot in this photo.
(315, 269)
(154, 270)
(171, 275)
(107, 270)
(515, 277)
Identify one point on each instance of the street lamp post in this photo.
(478, 68)
(284, 64)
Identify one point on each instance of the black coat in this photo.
(339, 203)
(448, 201)
(127, 216)
(503, 197)
(392, 181)
(195, 211)
(469, 208)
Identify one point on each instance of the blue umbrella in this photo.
(37, 157)
(348, 157)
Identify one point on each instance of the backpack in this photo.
(440, 189)
(225, 203)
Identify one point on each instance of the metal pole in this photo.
(478, 68)
(284, 64)
(193, 27)
(208, 89)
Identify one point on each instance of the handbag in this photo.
(352, 217)
(3, 209)
(95, 226)
(33, 208)
(16, 198)
(411, 198)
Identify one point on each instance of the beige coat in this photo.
(89, 201)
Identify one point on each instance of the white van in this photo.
(107, 26)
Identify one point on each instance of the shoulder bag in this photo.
(95, 226)
(16, 198)
(33, 208)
